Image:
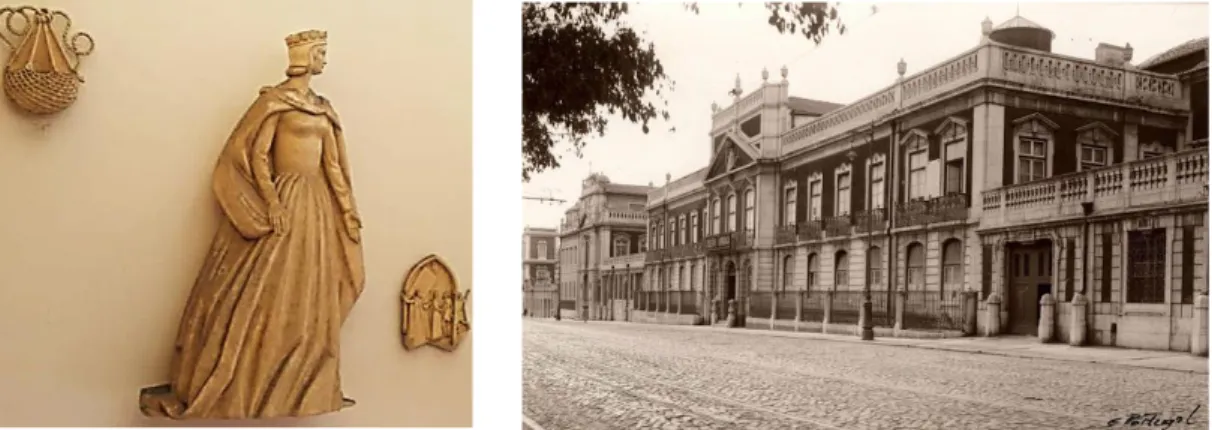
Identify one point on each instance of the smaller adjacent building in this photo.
(604, 233)
(540, 297)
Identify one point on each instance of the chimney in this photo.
(1111, 55)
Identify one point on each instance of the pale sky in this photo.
(704, 53)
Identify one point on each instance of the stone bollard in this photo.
(970, 315)
(1047, 318)
(732, 313)
(993, 315)
(899, 309)
(1077, 320)
(1199, 336)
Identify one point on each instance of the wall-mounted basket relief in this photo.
(42, 74)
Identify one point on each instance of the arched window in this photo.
(916, 267)
(787, 272)
(812, 270)
(731, 222)
(953, 266)
(622, 246)
(749, 210)
(841, 270)
(876, 263)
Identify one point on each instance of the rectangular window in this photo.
(843, 194)
(542, 245)
(1147, 260)
(1187, 294)
(750, 215)
(1093, 157)
(673, 233)
(685, 232)
(789, 206)
(953, 171)
(715, 216)
(986, 270)
(694, 227)
(1069, 261)
(917, 175)
(814, 201)
(1032, 159)
(1106, 266)
(877, 186)
(731, 214)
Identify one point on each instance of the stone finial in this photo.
(715, 107)
(783, 71)
(765, 74)
(986, 26)
(1127, 52)
(900, 67)
(1079, 299)
(738, 85)
(668, 177)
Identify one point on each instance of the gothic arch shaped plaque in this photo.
(433, 311)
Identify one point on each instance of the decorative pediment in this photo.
(1095, 134)
(914, 140)
(729, 155)
(876, 159)
(843, 168)
(815, 177)
(952, 128)
(1035, 125)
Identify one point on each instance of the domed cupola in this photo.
(1022, 32)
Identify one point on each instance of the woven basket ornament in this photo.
(41, 76)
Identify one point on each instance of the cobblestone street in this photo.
(622, 376)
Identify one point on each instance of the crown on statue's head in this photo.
(306, 38)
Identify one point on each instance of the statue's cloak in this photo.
(235, 185)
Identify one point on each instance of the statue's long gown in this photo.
(259, 337)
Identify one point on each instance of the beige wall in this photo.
(107, 212)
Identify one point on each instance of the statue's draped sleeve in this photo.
(236, 186)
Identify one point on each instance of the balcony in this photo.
(625, 218)
(870, 220)
(1168, 180)
(810, 230)
(784, 234)
(732, 241)
(837, 226)
(625, 261)
(991, 64)
(953, 207)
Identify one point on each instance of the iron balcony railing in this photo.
(953, 207)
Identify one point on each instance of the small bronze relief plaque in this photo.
(434, 312)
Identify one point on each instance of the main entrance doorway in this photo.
(1029, 277)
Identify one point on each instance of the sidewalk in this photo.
(1008, 346)
(1013, 346)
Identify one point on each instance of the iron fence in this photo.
(759, 304)
(930, 310)
(813, 309)
(845, 307)
(785, 306)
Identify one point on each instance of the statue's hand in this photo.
(352, 226)
(278, 219)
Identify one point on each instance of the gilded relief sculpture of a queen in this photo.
(260, 334)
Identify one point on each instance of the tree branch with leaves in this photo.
(582, 65)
